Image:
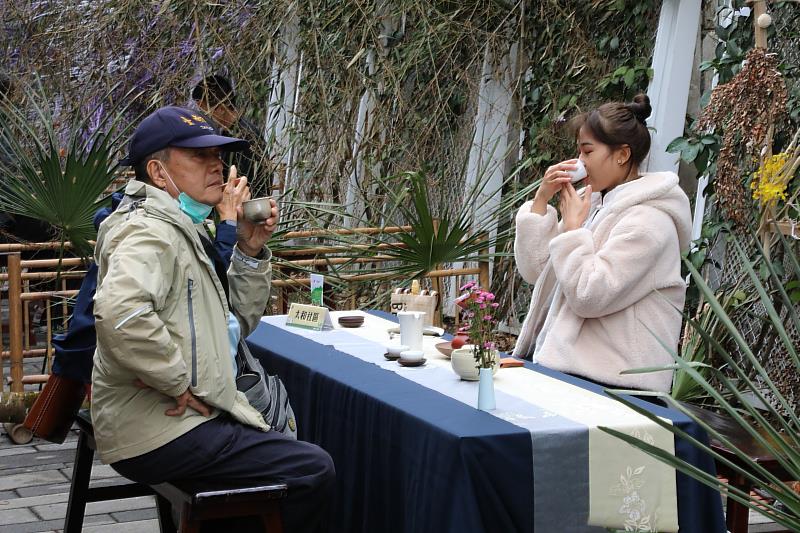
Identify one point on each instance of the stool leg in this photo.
(272, 519)
(81, 472)
(164, 508)
(187, 525)
(737, 515)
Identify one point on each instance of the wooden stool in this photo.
(736, 514)
(195, 502)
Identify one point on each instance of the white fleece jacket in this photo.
(595, 311)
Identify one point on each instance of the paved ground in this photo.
(34, 489)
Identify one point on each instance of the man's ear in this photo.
(156, 174)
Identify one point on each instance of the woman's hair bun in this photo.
(640, 107)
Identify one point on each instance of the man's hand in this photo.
(574, 209)
(187, 399)
(253, 236)
(235, 192)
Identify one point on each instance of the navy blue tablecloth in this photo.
(409, 459)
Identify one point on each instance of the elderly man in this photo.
(168, 317)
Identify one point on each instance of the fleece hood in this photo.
(658, 190)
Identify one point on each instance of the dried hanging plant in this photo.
(746, 110)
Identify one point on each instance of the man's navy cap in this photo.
(176, 126)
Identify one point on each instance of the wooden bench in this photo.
(195, 502)
(736, 514)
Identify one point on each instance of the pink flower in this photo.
(487, 317)
(489, 296)
(483, 306)
(495, 305)
(467, 285)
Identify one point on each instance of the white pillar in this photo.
(365, 126)
(673, 60)
(495, 149)
(354, 201)
(282, 102)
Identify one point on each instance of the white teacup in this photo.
(412, 355)
(579, 173)
(257, 209)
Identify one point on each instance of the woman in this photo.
(608, 286)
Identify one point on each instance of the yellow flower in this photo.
(769, 181)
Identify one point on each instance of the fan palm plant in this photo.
(774, 424)
(454, 234)
(58, 182)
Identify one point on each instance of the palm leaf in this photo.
(60, 186)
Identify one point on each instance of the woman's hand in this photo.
(574, 209)
(554, 180)
(253, 236)
(235, 192)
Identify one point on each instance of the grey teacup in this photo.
(257, 209)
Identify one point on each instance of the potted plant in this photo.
(479, 360)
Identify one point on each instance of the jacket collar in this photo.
(659, 190)
(159, 204)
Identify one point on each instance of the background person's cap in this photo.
(176, 126)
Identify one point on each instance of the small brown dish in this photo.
(351, 321)
(416, 362)
(445, 348)
(391, 357)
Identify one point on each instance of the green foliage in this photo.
(579, 62)
(697, 149)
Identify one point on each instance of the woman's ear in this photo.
(156, 174)
(622, 154)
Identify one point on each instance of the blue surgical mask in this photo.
(195, 210)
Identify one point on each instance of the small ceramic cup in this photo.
(396, 349)
(579, 173)
(257, 209)
(412, 355)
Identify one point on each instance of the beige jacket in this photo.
(161, 316)
(605, 295)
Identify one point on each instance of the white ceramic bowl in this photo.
(257, 209)
(464, 365)
(412, 355)
(396, 349)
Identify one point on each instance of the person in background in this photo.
(607, 272)
(214, 95)
(169, 318)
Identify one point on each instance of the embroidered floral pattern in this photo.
(633, 507)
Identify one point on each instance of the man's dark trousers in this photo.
(224, 452)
